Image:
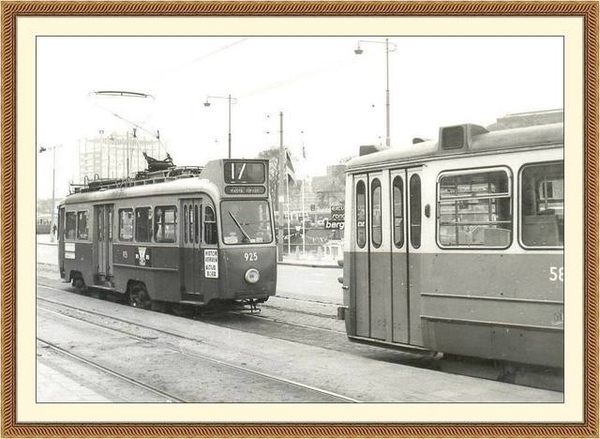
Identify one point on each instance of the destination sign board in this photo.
(245, 190)
(244, 172)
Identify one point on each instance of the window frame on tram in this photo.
(210, 227)
(416, 207)
(120, 223)
(160, 227)
(508, 195)
(550, 216)
(376, 213)
(260, 203)
(136, 224)
(70, 226)
(85, 213)
(361, 216)
(398, 211)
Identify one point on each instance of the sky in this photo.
(332, 100)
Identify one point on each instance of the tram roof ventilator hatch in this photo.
(458, 138)
(455, 138)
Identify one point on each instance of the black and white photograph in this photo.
(219, 219)
(258, 220)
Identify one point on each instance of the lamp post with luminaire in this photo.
(389, 47)
(230, 101)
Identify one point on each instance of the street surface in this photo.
(296, 334)
(183, 359)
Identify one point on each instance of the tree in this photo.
(273, 156)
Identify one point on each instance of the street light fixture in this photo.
(388, 49)
(230, 101)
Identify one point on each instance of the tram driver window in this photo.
(246, 222)
(542, 209)
(165, 224)
(474, 209)
(70, 224)
(143, 224)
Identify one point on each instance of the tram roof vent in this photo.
(459, 137)
(369, 149)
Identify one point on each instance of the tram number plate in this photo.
(250, 256)
(211, 264)
(557, 274)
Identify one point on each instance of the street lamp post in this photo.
(388, 49)
(282, 178)
(52, 224)
(230, 101)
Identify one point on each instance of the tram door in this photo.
(371, 264)
(191, 263)
(104, 238)
(405, 228)
(379, 253)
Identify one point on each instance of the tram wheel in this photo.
(79, 285)
(139, 298)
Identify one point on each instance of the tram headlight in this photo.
(252, 276)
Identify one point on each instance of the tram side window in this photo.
(165, 223)
(361, 214)
(82, 224)
(376, 212)
(70, 225)
(474, 209)
(186, 222)
(125, 224)
(542, 210)
(398, 200)
(415, 210)
(143, 224)
(197, 231)
(210, 226)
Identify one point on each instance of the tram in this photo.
(197, 236)
(455, 245)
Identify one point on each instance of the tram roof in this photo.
(175, 187)
(477, 139)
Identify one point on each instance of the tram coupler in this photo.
(253, 306)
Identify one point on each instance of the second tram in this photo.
(456, 245)
(177, 236)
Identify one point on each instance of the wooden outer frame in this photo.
(587, 10)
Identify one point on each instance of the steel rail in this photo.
(192, 355)
(88, 362)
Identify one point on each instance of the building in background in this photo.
(115, 155)
(518, 120)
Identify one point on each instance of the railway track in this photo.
(299, 326)
(153, 339)
(167, 397)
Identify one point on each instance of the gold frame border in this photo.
(587, 10)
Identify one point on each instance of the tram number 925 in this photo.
(250, 256)
(557, 274)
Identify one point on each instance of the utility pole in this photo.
(280, 189)
(52, 223)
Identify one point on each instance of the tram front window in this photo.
(246, 222)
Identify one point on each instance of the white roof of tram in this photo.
(550, 135)
(179, 187)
